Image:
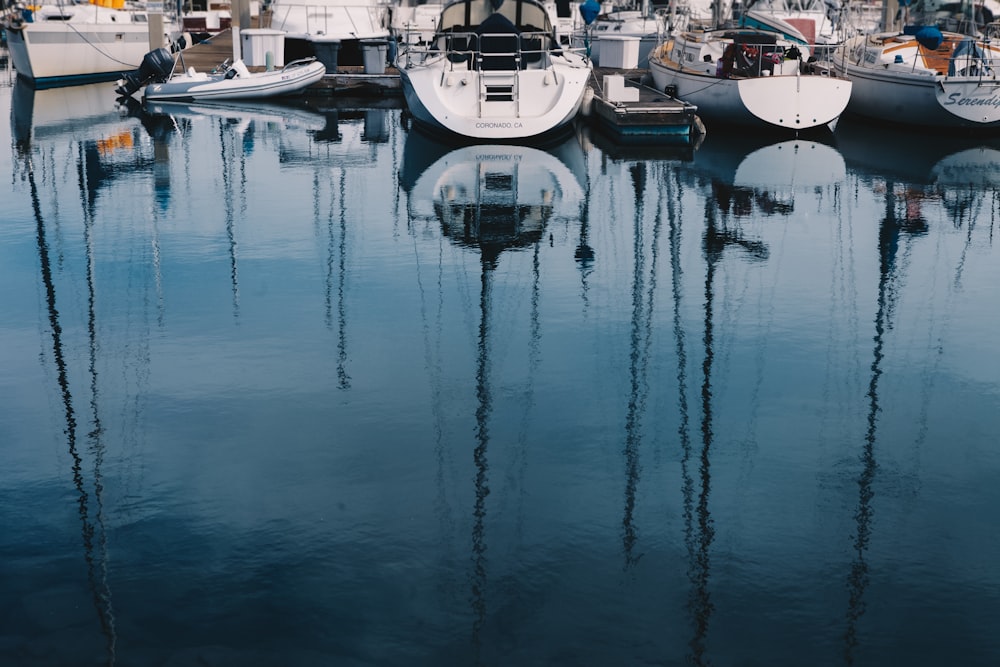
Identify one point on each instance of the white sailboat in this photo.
(493, 72)
(750, 78)
(67, 43)
(924, 77)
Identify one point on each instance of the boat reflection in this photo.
(347, 137)
(44, 114)
(99, 133)
(490, 199)
(900, 227)
(244, 115)
(238, 128)
(750, 173)
(919, 158)
(98, 136)
(961, 172)
(722, 234)
(591, 136)
(58, 128)
(305, 133)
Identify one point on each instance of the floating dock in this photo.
(637, 113)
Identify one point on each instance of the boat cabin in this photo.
(508, 37)
(751, 53)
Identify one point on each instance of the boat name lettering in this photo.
(498, 126)
(957, 98)
(495, 158)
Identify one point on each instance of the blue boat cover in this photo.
(589, 11)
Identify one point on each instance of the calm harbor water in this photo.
(299, 386)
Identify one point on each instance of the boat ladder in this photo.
(498, 93)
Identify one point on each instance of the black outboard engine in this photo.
(156, 67)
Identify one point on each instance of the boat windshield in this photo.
(466, 15)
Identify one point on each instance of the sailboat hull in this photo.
(898, 81)
(52, 53)
(781, 98)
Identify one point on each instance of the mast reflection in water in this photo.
(310, 388)
(91, 172)
(490, 199)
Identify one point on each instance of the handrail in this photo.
(465, 48)
(318, 15)
(752, 60)
(978, 62)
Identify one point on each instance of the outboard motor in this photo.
(156, 67)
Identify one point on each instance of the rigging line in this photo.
(394, 143)
(653, 282)
(749, 441)
(701, 604)
(634, 408)
(432, 362)
(344, 379)
(227, 198)
(843, 294)
(889, 232)
(675, 212)
(102, 592)
(331, 238)
(715, 82)
(584, 254)
(929, 372)
(483, 410)
(62, 373)
(67, 22)
(899, 262)
(188, 152)
(970, 227)
(132, 409)
(534, 356)
(637, 408)
(850, 287)
(158, 270)
(651, 292)
(50, 169)
(234, 244)
(935, 342)
(328, 275)
(230, 217)
(993, 214)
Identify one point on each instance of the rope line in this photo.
(65, 20)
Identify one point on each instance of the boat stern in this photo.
(798, 102)
(495, 105)
(976, 100)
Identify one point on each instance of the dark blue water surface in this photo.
(296, 385)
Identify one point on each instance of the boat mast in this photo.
(890, 12)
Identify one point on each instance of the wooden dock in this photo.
(209, 54)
